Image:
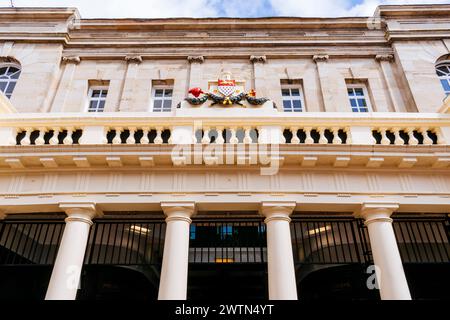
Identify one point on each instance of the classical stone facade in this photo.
(355, 126)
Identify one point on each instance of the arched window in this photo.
(443, 72)
(9, 74)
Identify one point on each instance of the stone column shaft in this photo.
(66, 272)
(174, 271)
(282, 283)
(389, 268)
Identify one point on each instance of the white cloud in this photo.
(214, 8)
(336, 8)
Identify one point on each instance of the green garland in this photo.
(226, 100)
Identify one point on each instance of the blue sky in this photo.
(217, 8)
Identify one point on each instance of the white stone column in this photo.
(69, 260)
(174, 271)
(280, 260)
(386, 256)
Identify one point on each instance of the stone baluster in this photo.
(54, 139)
(206, 139)
(159, 139)
(40, 140)
(131, 139)
(68, 139)
(308, 139)
(220, 139)
(247, 137)
(26, 141)
(144, 139)
(349, 136)
(426, 139)
(295, 139)
(384, 139)
(117, 139)
(398, 141)
(234, 139)
(412, 139)
(336, 138)
(323, 139)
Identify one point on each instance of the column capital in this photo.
(274, 210)
(320, 58)
(71, 59)
(258, 59)
(133, 59)
(195, 59)
(84, 212)
(376, 211)
(384, 57)
(178, 211)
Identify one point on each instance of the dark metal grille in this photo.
(329, 241)
(126, 242)
(423, 240)
(226, 241)
(30, 241)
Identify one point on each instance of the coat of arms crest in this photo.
(226, 93)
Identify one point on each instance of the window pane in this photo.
(364, 110)
(2, 86)
(168, 92)
(359, 92)
(285, 92)
(446, 84)
(2, 70)
(104, 93)
(295, 92)
(355, 110)
(159, 92)
(350, 92)
(101, 105)
(10, 87)
(15, 75)
(297, 105)
(353, 103)
(157, 104)
(362, 102)
(95, 93)
(287, 105)
(167, 105)
(93, 105)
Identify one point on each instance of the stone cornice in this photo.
(413, 11)
(30, 13)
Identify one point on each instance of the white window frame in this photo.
(366, 96)
(163, 98)
(291, 98)
(446, 77)
(9, 81)
(90, 98)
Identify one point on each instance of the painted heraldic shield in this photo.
(226, 87)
